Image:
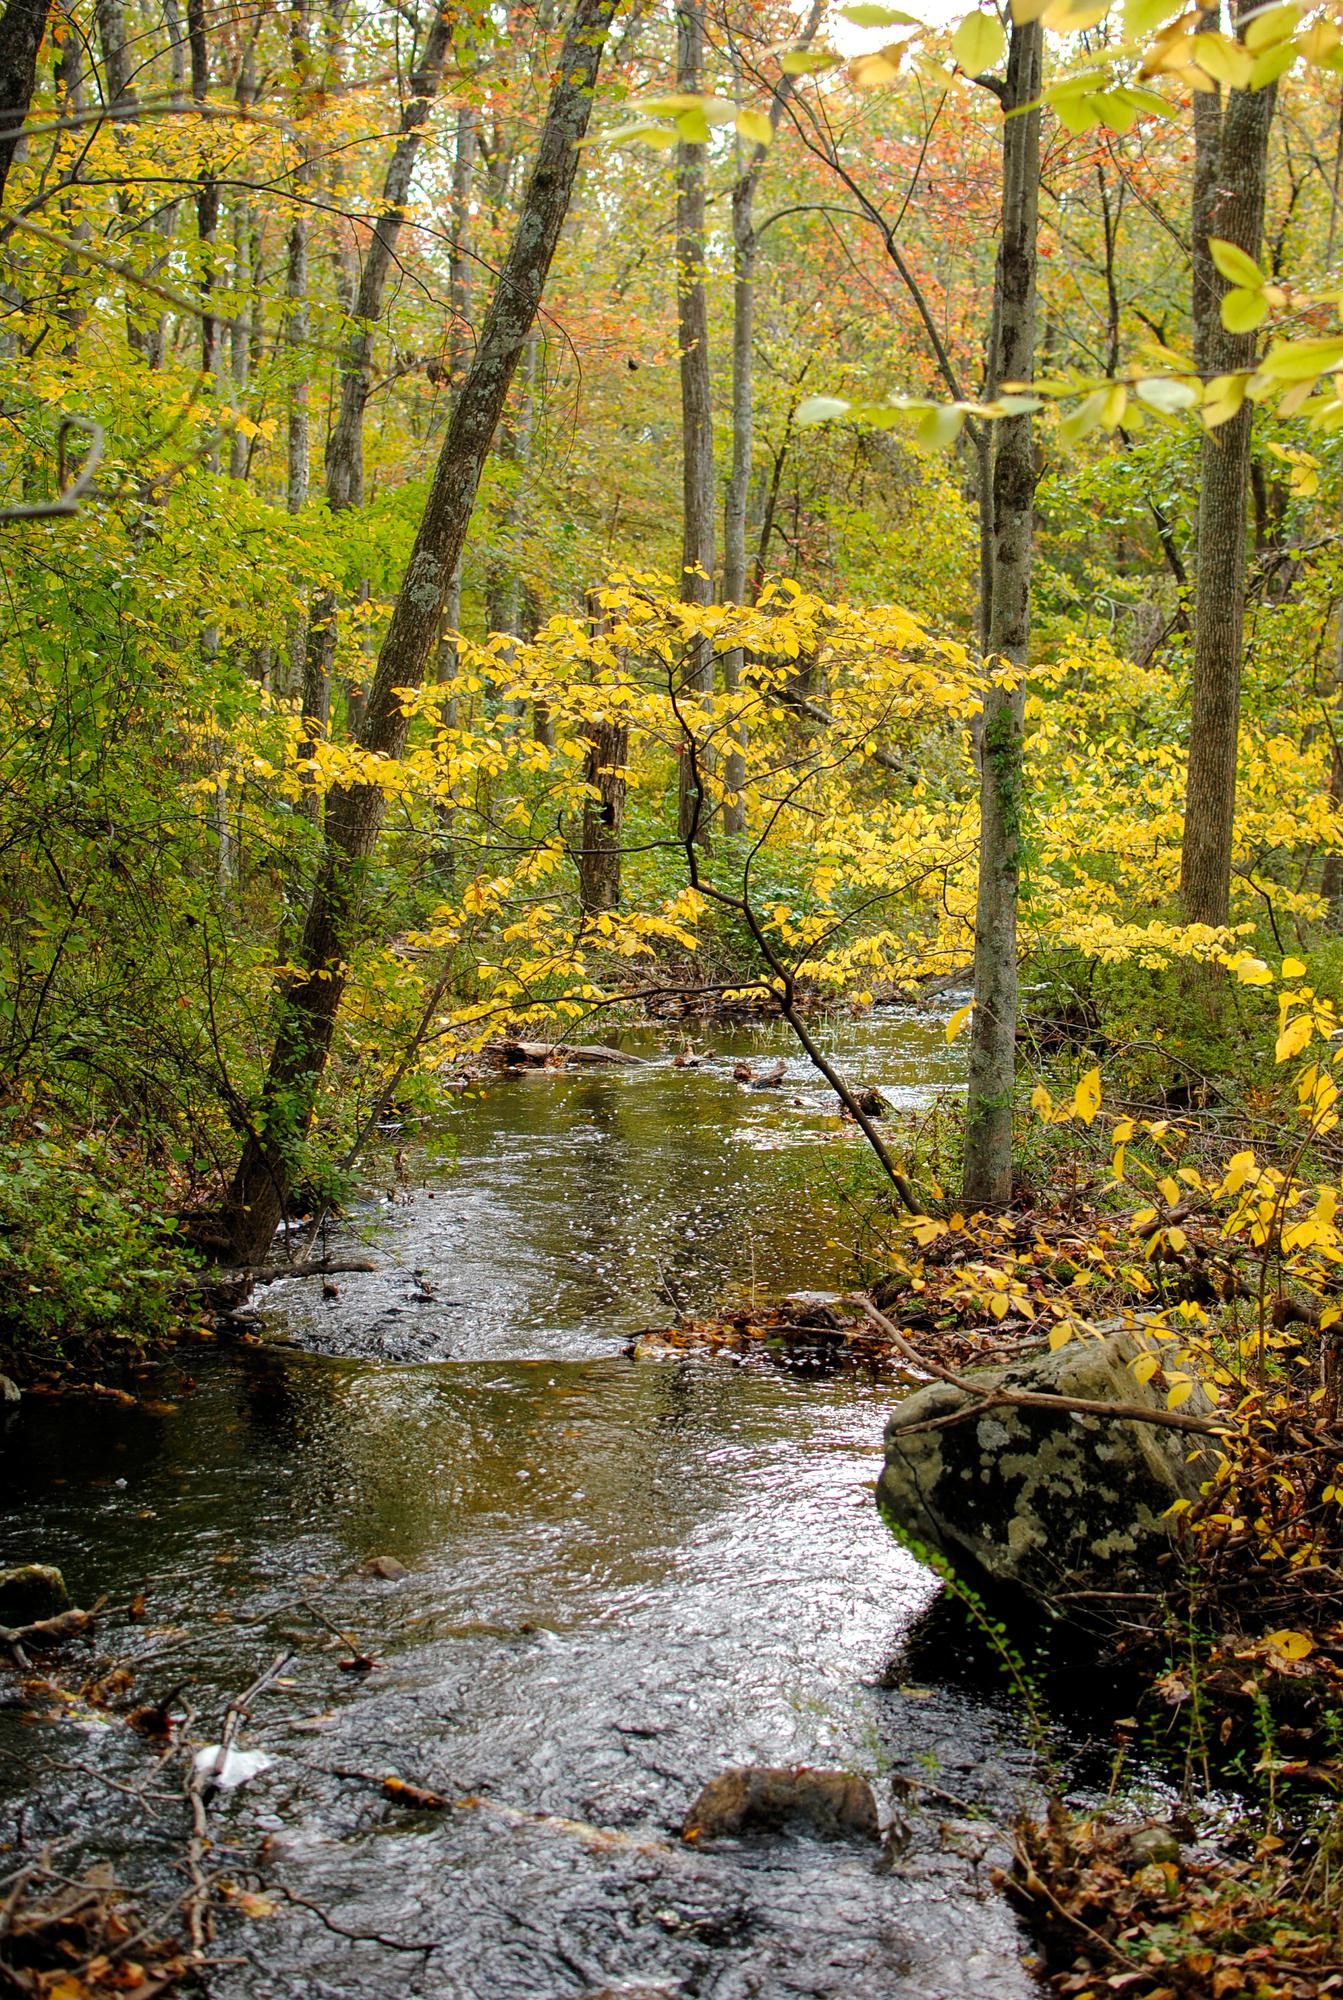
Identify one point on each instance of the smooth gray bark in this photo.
(992, 1065)
(1231, 138)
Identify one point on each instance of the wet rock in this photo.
(766, 1798)
(30, 1592)
(1042, 1505)
(386, 1567)
(817, 1309)
(10, 1393)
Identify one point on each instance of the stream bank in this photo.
(624, 1577)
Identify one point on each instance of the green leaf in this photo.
(1115, 111)
(1143, 17)
(647, 135)
(670, 104)
(820, 410)
(978, 43)
(1301, 360)
(808, 62)
(1223, 60)
(1080, 423)
(1076, 110)
(1243, 311)
(755, 126)
(1235, 264)
(1272, 64)
(1160, 393)
(693, 127)
(1271, 25)
(867, 16)
(939, 428)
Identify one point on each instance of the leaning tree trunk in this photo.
(21, 33)
(345, 446)
(310, 999)
(692, 314)
(992, 1078)
(1229, 184)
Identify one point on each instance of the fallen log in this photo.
(540, 1055)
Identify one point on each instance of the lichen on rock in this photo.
(1052, 1506)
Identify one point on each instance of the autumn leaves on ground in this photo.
(514, 515)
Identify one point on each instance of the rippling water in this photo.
(624, 1576)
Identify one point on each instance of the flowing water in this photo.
(625, 1576)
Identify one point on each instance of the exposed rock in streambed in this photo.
(1047, 1507)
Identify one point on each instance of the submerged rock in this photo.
(30, 1592)
(1052, 1506)
(388, 1568)
(766, 1798)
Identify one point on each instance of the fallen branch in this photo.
(986, 1399)
(44, 1632)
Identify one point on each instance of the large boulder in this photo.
(30, 1592)
(1052, 1505)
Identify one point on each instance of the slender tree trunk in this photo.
(744, 253)
(692, 311)
(310, 1000)
(70, 98)
(345, 445)
(1229, 185)
(459, 344)
(992, 1066)
(21, 32)
(604, 815)
(344, 452)
(207, 195)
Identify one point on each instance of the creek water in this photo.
(624, 1577)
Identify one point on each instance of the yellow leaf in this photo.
(1145, 1367)
(1060, 1335)
(1042, 1102)
(1292, 1645)
(1253, 972)
(1293, 1038)
(1180, 1393)
(958, 1021)
(1170, 1190)
(1087, 1096)
(1293, 968)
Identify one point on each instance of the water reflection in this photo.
(623, 1577)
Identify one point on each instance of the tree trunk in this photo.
(992, 1066)
(692, 313)
(345, 445)
(21, 33)
(744, 250)
(1229, 179)
(207, 197)
(310, 1000)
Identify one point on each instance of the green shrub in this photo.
(86, 1261)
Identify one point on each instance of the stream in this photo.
(624, 1576)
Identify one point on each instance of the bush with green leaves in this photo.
(87, 1265)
